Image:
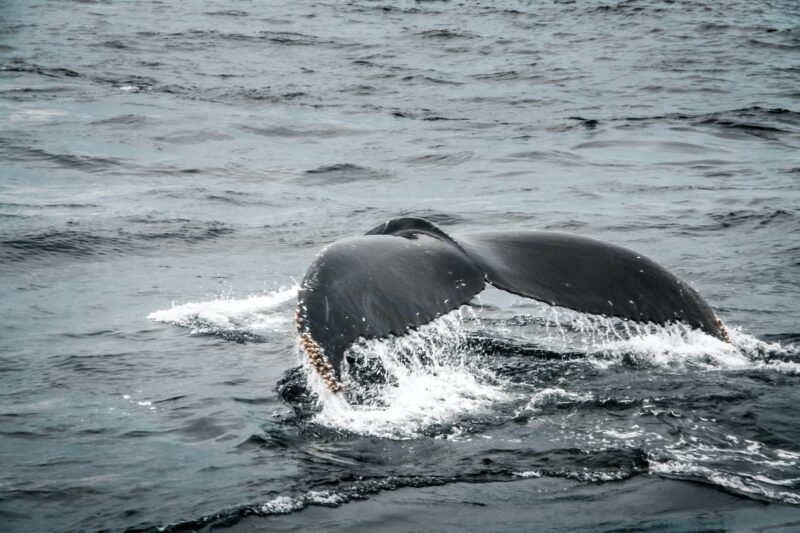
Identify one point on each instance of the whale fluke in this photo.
(407, 272)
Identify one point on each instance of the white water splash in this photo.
(282, 505)
(554, 397)
(679, 347)
(429, 379)
(612, 341)
(254, 314)
(674, 346)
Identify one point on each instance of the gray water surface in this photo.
(170, 153)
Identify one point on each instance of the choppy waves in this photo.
(461, 377)
(170, 153)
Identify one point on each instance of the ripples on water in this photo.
(205, 152)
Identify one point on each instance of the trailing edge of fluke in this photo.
(407, 272)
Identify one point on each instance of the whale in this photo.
(406, 272)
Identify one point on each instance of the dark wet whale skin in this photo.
(407, 272)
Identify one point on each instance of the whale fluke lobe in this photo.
(379, 285)
(407, 272)
(589, 276)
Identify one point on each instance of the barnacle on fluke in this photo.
(316, 357)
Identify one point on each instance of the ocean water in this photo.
(168, 170)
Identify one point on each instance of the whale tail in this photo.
(407, 272)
